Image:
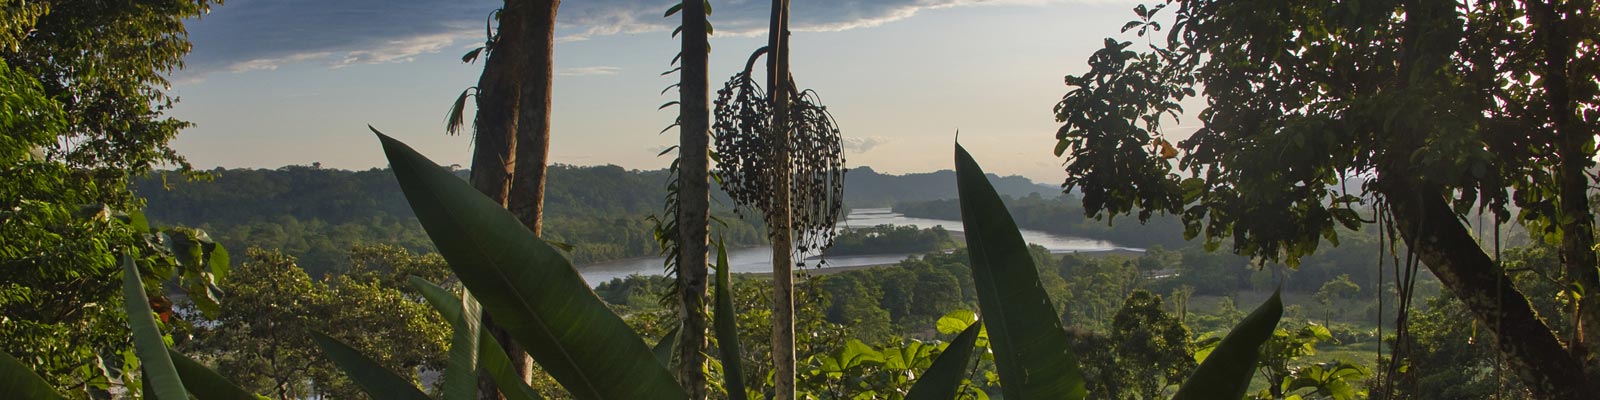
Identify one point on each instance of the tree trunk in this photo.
(1551, 28)
(694, 196)
(783, 351)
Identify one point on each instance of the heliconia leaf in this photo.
(530, 289)
(663, 348)
(378, 382)
(147, 342)
(17, 381)
(942, 380)
(1226, 373)
(204, 383)
(490, 357)
(461, 367)
(725, 322)
(1030, 347)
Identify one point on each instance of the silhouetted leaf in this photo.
(943, 379)
(1226, 373)
(377, 381)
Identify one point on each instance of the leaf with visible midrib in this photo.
(1030, 348)
(1226, 373)
(942, 380)
(147, 342)
(530, 289)
(491, 357)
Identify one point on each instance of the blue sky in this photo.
(272, 83)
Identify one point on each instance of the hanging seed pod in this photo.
(747, 146)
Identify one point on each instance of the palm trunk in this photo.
(783, 352)
(694, 197)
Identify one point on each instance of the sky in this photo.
(293, 82)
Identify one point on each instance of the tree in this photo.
(1153, 348)
(1335, 290)
(1432, 108)
(691, 200)
(512, 129)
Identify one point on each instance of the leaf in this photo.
(943, 379)
(490, 356)
(455, 119)
(663, 348)
(725, 322)
(673, 10)
(955, 322)
(1226, 372)
(204, 383)
(529, 288)
(472, 55)
(378, 382)
(17, 381)
(1030, 347)
(461, 367)
(147, 341)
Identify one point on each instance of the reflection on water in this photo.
(759, 259)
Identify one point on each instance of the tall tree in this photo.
(779, 218)
(512, 130)
(694, 194)
(1439, 107)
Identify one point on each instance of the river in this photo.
(759, 259)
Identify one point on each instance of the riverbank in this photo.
(1130, 253)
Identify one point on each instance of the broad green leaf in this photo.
(491, 357)
(1030, 347)
(17, 381)
(1226, 372)
(663, 349)
(204, 383)
(162, 376)
(955, 322)
(943, 380)
(725, 322)
(530, 289)
(461, 369)
(378, 382)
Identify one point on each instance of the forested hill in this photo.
(864, 187)
(317, 214)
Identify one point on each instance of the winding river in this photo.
(759, 259)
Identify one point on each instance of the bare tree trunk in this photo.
(783, 352)
(694, 196)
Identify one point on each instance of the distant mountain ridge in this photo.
(864, 187)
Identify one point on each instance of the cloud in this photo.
(588, 71)
(862, 144)
(262, 35)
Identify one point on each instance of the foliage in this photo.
(1334, 379)
(891, 239)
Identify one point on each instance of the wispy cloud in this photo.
(588, 71)
(262, 35)
(862, 144)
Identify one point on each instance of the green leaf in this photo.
(461, 369)
(943, 380)
(17, 381)
(377, 381)
(204, 383)
(955, 322)
(529, 288)
(673, 10)
(725, 322)
(490, 356)
(1226, 372)
(147, 341)
(1030, 347)
(663, 349)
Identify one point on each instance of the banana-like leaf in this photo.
(1030, 347)
(725, 322)
(491, 357)
(530, 289)
(17, 381)
(147, 342)
(204, 383)
(377, 381)
(1226, 373)
(663, 348)
(942, 380)
(461, 369)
